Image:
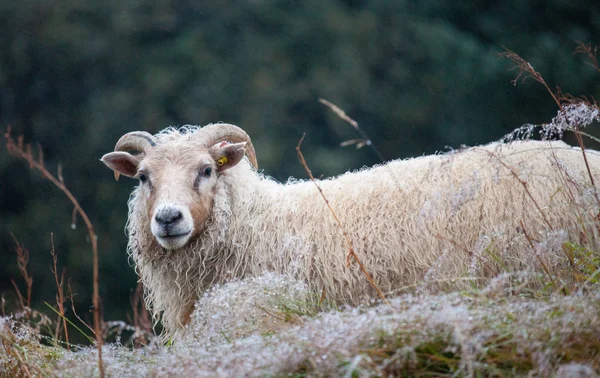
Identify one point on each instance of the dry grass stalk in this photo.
(22, 364)
(524, 184)
(526, 70)
(590, 52)
(24, 152)
(141, 317)
(22, 261)
(9, 342)
(60, 298)
(19, 295)
(364, 140)
(587, 165)
(351, 253)
(323, 295)
(70, 296)
(535, 252)
(566, 179)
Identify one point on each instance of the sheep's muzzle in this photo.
(172, 225)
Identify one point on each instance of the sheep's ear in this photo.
(123, 163)
(227, 155)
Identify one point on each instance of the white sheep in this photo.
(202, 215)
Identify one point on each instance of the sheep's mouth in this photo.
(171, 232)
(173, 241)
(174, 236)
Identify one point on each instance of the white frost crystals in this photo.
(572, 117)
(483, 335)
(576, 115)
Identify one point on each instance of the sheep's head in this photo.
(178, 176)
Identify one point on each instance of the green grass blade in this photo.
(90, 339)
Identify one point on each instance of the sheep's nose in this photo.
(168, 216)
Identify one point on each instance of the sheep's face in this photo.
(177, 185)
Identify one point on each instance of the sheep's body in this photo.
(405, 218)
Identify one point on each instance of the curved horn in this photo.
(136, 140)
(218, 132)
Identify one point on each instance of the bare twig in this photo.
(351, 253)
(364, 141)
(24, 152)
(60, 299)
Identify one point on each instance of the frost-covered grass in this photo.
(541, 321)
(270, 326)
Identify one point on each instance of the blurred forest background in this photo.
(417, 75)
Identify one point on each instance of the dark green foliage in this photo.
(418, 76)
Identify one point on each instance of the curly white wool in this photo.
(402, 217)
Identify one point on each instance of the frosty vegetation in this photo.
(269, 326)
(541, 320)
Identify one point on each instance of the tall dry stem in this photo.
(22, 261)
(351, 253)
(23, 151)
(19, 295)
(60, 298)
(526, 71)
(535, 253)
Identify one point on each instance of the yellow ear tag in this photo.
(222, 161)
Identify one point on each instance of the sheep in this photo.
(202, 214)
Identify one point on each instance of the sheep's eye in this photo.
(143, 178)
(207, 171)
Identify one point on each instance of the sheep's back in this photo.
(444, 216)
